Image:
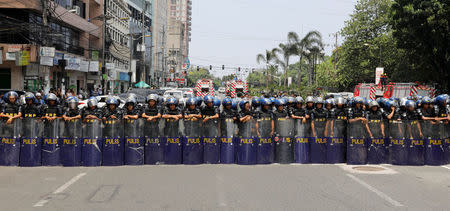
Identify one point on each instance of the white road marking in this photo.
(220, 192)
(350, 168)
(379, 193)
(447, 167)
(42, 202)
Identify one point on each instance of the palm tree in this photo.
(285, 50)
(314, 55)
(267, 58)
(309, 41)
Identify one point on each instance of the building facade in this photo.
(48, 44)
(159, 55)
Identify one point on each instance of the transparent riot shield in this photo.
(445, 137)
(336, 134)
(92, 143)
(173, 140)
(51, 143)
(71, 143)
(211, 145)
(134, 141)
(284, 152)
(318, 144)
(113, 142)
(301, 141)
(10, 145)
(265, 148)
(246, 143)
(192, 144)
(154, 143)
(415, 140)
(434, 151)
(376, 145)
(30, 149)
(228, 134)
(356, 143)
(398, 145)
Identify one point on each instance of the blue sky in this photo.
(233, 32)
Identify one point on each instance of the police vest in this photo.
(11, 109)
(30, 111)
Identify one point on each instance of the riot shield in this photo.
(356, 143)
(434, 149)
(416, 148)
(113, 146)
(318, 144)
(336, 134)
(246, 143)
(301, 141)
(284, 152)
(154, 143)
(71, 143)
(10, 145)
(211, 145)
(192, 144)
(398, 146)
(265, 150)
(51, 143)
(134, 141)
(173, 140)
(228, 132)
(30, 149)
(91, 150)
(445, 137)
(377, 148)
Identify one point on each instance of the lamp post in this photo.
(379, 54)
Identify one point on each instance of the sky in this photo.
(233, 32)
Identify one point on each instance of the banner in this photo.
(110, 66)
(58, 56)
(22, 58)
(378, 72)
(47, 51)
(93, 66)
(10, 56)
(46, 60)
(186, 64)
(73, 62)
(84, 66)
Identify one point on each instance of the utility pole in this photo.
(336, 48)
(105, 2)
(144, 71)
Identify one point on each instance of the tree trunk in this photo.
(300, 72)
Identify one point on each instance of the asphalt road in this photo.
(225, 187)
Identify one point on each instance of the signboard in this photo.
(22, 58)
(73, 62)
(124, 76)
(14, 48)
(84, 66)
(46, 60)
(58, 56)
(378, 72)
(47, 51)
(93, 66)
(10, 56)
(186, 64)
(110, 66)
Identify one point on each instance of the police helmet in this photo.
(92, 102)
(242, 104)
(410, 103)
(256, 101)
(373, 103)
(299, 100)
(234, 104)
(208, 99)
(340, 101)
(29, 96)
(309, 99)
(266, 101)
(111, 101)
(172, 101)
(11, 93)
(51, 96)
(131, 100)
(441, 99)
(227, 101)
(216, 102)
(426, 100)
(280, 102)
(38, 94)
(199, 101)
(329, 101)
(272, 99)
(191, 101)
(358, 100)
(290, 100)
(319, 100)
(152, 97)
(403, 102)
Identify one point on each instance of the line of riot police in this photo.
(208, 130)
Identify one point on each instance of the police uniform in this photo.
(375, 118)
(171, 127)
(265, 118)
(31, 111)
(11, 109)
(88, 111)
(210, 128)
(319, 116)
(51, 110)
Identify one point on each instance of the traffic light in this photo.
(223, 67)
(239, 69)
(210, 67)
(198, 68)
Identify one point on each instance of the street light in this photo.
(369, 45)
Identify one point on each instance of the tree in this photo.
(268, 58)
(422, 29)
(327, 75)
(311, 39)
(194, 76)
(286, 51)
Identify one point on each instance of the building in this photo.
(140, 32)
(117, 53)
(180, 12)
(159, 56)
(45, 44)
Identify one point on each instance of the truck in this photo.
(396, 90)
(236, 86)
(204, 87)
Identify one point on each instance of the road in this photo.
(226, 187)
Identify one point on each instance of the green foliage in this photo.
(327, 76)
(422, 29)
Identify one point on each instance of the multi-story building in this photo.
(140, 32)
(46, 43)
(159, 37)
(179, 36)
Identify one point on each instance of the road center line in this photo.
(42, 202)
(379, 193)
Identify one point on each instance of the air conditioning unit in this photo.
(78, 10)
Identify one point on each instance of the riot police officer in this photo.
(357, 113)
(427, 110)
(30, 109)
(131, 109)
(318, 119)
(11, 109)
(266, 125)
(171, 114)
(411, 114)
(441, 108)
(152, 111)
(209, 112)
(256, 102)
(91, 111)
(191, 112)
(227, 111)
(375, 116)
(51, 109)
(298, 112)
(72, 111)
(111, 110)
